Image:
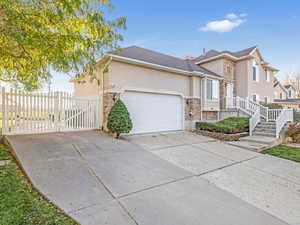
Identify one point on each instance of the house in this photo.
(165, 93)
(291, 91)
(280, 91)
(246, 74)
(287, 97)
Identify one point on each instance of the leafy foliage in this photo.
(119, 119)
(39, 37)
(286, 152)
(271, 105)
(20, 203)
(296, 116)
(293, 131)
(230, 125)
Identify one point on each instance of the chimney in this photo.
(191, 58)
(204, 51)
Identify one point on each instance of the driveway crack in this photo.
(93, 173)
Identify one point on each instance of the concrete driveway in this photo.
(171, 178)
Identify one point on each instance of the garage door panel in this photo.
(154, 112)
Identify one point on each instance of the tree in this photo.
(40, 36)
(119, 119)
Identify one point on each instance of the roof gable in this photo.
(213, 53)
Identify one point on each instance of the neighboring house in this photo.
(291, 91)
(279, 91)
(288, 97)
(165, 93)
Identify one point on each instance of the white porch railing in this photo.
(247, 106)
(257, 111)
(285, 116)
(273, 114)
(254, 120)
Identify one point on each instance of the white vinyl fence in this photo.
(29, 113)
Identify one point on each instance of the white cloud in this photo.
(230, 22)
(232, 16)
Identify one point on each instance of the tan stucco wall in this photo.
(242, 78)
(262, 87)
(216, 66)
(123, 76)
(86, 89)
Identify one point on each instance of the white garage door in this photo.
(154, 112)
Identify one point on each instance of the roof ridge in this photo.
(253, 47)
(155, 52)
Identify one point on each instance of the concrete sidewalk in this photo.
(161, 179)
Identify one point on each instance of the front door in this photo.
(229, 95)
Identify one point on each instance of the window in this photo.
(280, 96)
(212, 89)
(267, 75)
(266, 100)
(254, 98)
(255, 71)
(228, 68)
(290, 93)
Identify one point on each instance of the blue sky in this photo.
(182, 28)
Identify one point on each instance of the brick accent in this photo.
(109, 100)
(192, 109)
(209, 115)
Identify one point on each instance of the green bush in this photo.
(271, 105)
(296, 116)
(230, 125)
(119, 119)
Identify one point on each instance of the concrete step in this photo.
(260, 139)
(249, 145)
(267, 123)
(266, 126)
(267, 134)
(263, 129)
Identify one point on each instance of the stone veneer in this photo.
(229, 77)
(108, 101)
(209, 115)
(192, 109)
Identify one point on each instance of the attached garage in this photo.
(151, 112)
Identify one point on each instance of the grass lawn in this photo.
(20, 203)
(286, 152)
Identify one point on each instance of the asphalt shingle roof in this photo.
(213, 53)
(149, 56)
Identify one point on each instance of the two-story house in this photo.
(246, 73)
(164, 93)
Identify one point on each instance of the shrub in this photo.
(230, 125)
(296, 116)
(293, 132)
(119, 119)
(272, 105)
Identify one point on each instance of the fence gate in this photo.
(29, 113)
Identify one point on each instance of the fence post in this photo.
(56, 113)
